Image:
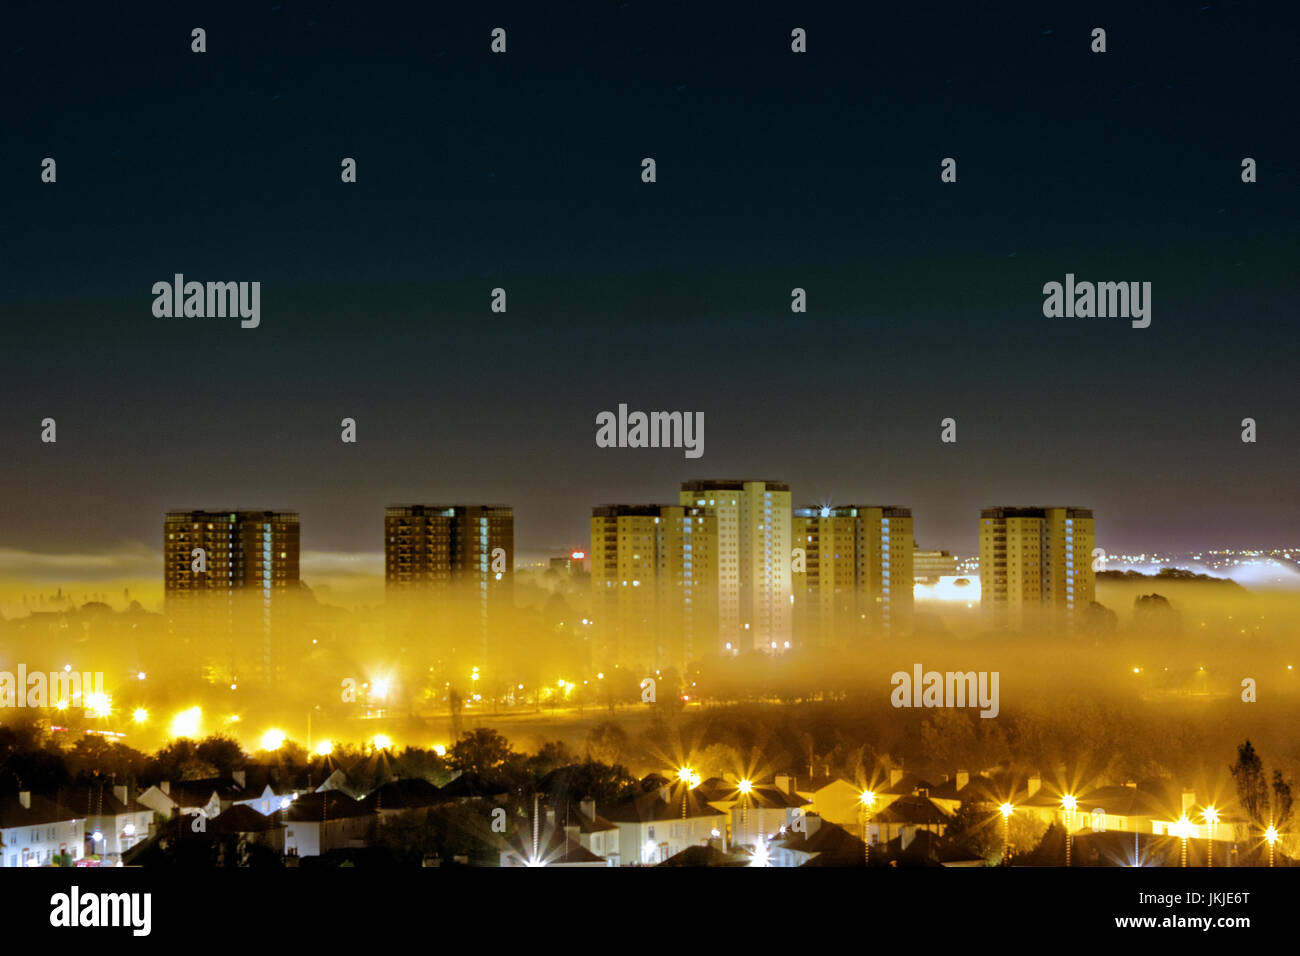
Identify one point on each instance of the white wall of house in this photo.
(40, 843)
(312, 838)
(651, 843)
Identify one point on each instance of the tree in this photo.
(607, 742)
(975, 830)
(479, 751)
(1252, 791)
(223, 753)
(1153, 613)
(1099, 619)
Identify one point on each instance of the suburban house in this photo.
(33, 831)
(319, 822)
(656, 825)
(248, 825)
(762, 813)
(115, 821)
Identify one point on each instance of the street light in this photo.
(1211, 816)
(1006, 810)
(1183, 829)
(868, 801)
(1069, 804)
(1271, 836)
(745, 787)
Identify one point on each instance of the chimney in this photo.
(119, 791)
(895, 775)
(25, 798)
(1189, 801)
(550, 818)
(587, 808)
(963, 778)
(240, 777)
(571, 832)
(166, 787)
(785, 783)
(1033, 784)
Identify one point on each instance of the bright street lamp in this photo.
(1069, 804)
(1006, 810)
(868, 801)
(1211, 816)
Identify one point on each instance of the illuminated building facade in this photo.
(754, 576)
(1036, 565)
(229, 579)
(654, 584)
(857, 573)
(459, 557)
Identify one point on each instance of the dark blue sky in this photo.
(775, 170)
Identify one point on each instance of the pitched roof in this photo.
(242, 818)
(328, 805)
(705, 856)
(717, 790)
(41, 811)
(409, 793)
(92, 800)
(473, 785)
(571, 815)
(830, 844)
(652, 807)
(911, 810)
(554, 846)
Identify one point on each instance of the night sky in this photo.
(775, 170)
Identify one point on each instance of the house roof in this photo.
(652, 807)
(717, 790)
(911, 810)
(473, 785)
(907, 784)
(327, 805)
(409, 793)
(42, 811)
(571, 815)
(242, 818)
(554, 846)
(831, 845)
(91, 800)
(705, 856)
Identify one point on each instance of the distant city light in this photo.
(273, 739)
(186, 723)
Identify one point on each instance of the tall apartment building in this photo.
(654, 584)
(229, 607)
(857, 573)
(1036, 565)
(754, 577)
(454, 560)
(932, 565)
